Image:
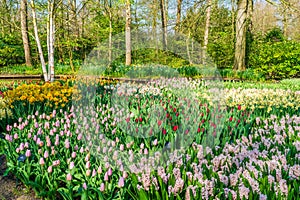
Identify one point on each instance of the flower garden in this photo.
(99, 139)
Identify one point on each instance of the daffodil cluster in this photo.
(262, 98)
(51, 94)
(252, 98)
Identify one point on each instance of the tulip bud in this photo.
(102, 187)
(71, 165)
(69, 177)
(46, 154)
(49, 169)
(27, 153)
(88, 172)
(121, 182)
(42, 162)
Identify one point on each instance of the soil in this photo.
(10, 188)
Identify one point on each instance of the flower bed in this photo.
(130, 141)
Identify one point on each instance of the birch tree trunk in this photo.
(240, 45)
(206, 32)
(128, 33)
(163, 23)
(51, 38)
(24, 30)
(37, 39)
(108, 10)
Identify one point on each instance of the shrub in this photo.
(275, 57)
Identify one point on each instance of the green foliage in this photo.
(276, 60)
(153, 56)
(248, 74)
(274, 35)
(37, 70)
(11, 50)
(274, 56)
(221, 49)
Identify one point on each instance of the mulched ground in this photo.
(10, 189)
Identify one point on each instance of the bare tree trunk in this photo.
(240, 45)
(163, 23)
(187, 42)
(206, 32)
(232, 20)
(110, 39)
(154, 24)
(51, 38)
(38, 41)
(285, 21)
(128, 33)
(24, 30)
(108, 7)
(178, 15)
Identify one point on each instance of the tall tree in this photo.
(163, 11)
(243, 7)
(178, 15)
(51, 38)
(108, 11)
(24, 31)
(128, 33)
(37, 39)
(206, 32)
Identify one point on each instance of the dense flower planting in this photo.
(51, 94)
(149, 141)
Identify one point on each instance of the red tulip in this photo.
(175, 128)
(159, 122)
